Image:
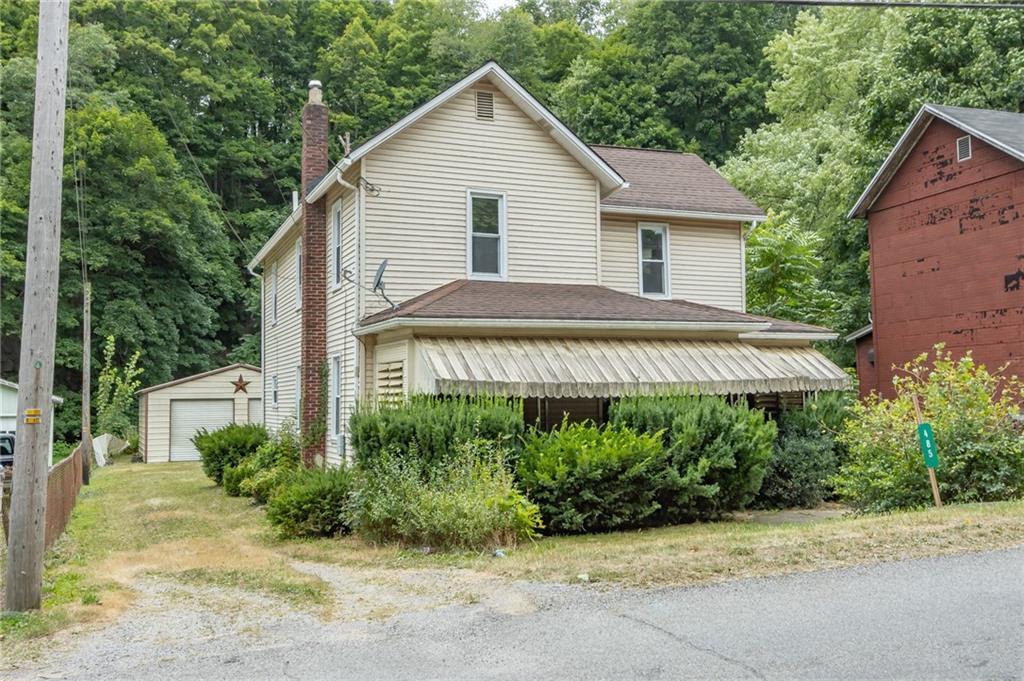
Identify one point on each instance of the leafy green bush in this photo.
(981, 445)
(798, 472)
(469, 501)
(231, 478)
(265, 482)
(806, 454)
(313, 503)
(722, 446)
(434, 426)
(589, 479)
(227, 446)
(62, 450)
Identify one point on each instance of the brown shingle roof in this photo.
(673, 180)
(467, 299)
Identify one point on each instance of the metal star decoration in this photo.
(240, 384)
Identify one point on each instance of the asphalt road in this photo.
(956, 617)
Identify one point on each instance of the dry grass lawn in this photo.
(169, 522)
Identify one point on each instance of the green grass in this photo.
(169, 522)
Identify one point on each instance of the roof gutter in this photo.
(790, 335)
(684, 214)
(331, 178)
(566, 324)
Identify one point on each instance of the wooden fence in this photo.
(62, 486)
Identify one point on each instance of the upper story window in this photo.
(654, 260)
(486, 227)
(273, 390)
(963, 148)
(298, 273)
(273, 293)
(336, 244)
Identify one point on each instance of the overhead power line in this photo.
(872, 4)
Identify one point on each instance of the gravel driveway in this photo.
(958, 617)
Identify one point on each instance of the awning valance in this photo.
(608, 367)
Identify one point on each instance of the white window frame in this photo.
(970, 148)
(273, 292)
(666, 250)
(298, 273)
(336, 231)
(335, 407)
(298, 395)
(273, 391)
(502, 274)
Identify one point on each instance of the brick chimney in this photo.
(314, 276)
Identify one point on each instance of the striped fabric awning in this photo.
(608, 367)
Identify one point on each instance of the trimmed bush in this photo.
(231, 479)
(589, 479)
(722, 446)
(432, 427)
(469, 501)
(798, 472)
(313, 503)
(264, 483)
(262, 472)
(980, 442)
(227, 446)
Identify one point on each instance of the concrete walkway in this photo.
(959, 617)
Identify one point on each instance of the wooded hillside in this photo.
(183, 135)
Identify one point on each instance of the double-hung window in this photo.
(273, 390)
(336, 244)
(654, 267)
(335, 396)
(486, 237)
(298, 274)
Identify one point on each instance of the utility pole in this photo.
(39, 321)
(86, 381)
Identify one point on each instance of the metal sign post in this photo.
(929, 450)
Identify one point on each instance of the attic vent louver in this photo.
(485, 105)
(963, 148)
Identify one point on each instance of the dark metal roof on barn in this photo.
(674, 182)
(1003, 130)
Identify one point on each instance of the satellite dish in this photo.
(378, 279)
(378, 283)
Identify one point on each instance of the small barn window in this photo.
(963, 148)
(485, 105)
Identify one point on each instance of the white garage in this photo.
(171, 413)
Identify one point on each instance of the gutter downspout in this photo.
(743, 258)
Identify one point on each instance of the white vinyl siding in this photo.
(705, 260)
(255, 410)
(155, 417)
(298, 273)
(282, 341)
(342, 315)
(418, 222)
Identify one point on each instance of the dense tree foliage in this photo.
(183, 133)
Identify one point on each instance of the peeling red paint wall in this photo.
(947, 256)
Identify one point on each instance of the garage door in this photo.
(188, 416)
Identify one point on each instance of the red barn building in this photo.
(945, 219)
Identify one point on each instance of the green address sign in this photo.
(929, 450)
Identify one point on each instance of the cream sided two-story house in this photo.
(521, 261)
